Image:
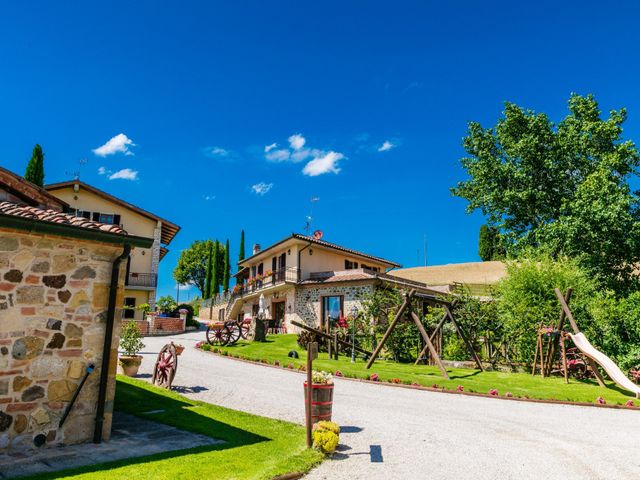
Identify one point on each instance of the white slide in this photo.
(605, 362)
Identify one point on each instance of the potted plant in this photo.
(145, 308)
(131, 344)
(321, 396)
(179, 348)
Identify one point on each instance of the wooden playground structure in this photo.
(406, 311)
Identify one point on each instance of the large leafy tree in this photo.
(192, 266)
(35, 168)
(563, 187)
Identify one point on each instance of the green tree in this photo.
(209, 274)
(549, 185)
(35, 168)
(241, 251)
(166, 304)
(490, 244)
(192, 265)
(227, 268)
(215, 282)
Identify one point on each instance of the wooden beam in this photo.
(576, 330)
(392, 325)
(551, 352)
(432, 349)
(320, 333)
(433, 335)
(464, 337)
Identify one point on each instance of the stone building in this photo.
(307, 280)
(61, 286)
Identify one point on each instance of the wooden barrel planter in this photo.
(321, 401)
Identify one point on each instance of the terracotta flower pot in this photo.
(129, 364)
(179, 349)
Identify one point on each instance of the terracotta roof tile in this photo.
(52, 216)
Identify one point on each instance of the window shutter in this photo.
(116, 219)
(96, 216)
(86, 215)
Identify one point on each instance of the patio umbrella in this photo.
(261, 306)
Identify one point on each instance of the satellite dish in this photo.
(317, 235)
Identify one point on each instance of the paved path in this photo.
(130, 437)
(396, 433)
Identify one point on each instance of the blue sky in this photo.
(199, 90)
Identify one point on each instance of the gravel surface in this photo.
(397, 433)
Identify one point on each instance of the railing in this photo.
(290, 275)
(135, 279)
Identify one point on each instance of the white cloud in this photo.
(209, 197)
(219, 152)
(386, 146)
(297, 141)
(102, 171)
(327, 163)
(118, 144)
(268, 148)
(261, 188)
(124, 174)
(281, 155)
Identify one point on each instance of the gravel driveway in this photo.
(396, 433)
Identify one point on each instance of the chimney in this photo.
(256, 248)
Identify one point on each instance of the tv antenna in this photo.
(309, 218)
(76, 174)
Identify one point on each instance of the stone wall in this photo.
(53, 302)
(308, 300)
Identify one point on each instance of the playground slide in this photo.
(605, 362)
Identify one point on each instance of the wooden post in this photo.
(464, 337)
(535, 355)
(423, 352)
(312, 353)
(335, 344)
(563, 352)
(575, 328)
(430, 346)
(398, 316)
(551, 352)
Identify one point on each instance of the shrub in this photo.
(166, 304)
(493, 392)
(326, 436)
(374, 377)
(455, 349)
(130, 339)
(190, 321)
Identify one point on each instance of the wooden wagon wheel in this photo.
(245, 329)
(166, 366)
(234, 333)
(217, 335)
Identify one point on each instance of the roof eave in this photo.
(32, 225)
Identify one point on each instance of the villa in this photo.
(304, 279)
(83, 200)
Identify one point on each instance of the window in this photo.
(221, 315)
(130, 305)
(105, 218)
(367, 267)
(332, 310)
(349, 265)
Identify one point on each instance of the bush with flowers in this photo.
(322, 377)
(326, 436)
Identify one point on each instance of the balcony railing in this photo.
(135, 279)
(290, 275)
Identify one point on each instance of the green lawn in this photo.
(519, 384)
(256, 448)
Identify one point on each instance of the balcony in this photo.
(143, 280)
(269, 279)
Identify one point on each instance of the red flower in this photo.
(338, 373)
(276, 363)
(435, 385)
(508, 394)
(493, 392)
(396, 380)
(601, 401)
(415, 384)
(460, 388)
(290, 366)
(374, 377)
(629, 403)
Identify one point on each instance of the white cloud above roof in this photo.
(118, 144)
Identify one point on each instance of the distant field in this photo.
(477, 276)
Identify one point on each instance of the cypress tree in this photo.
(485, 247)
(227, 269)
(35, 168)
(241, 253)
(209, 276)
(215, 282)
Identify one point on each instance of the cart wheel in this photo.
(214, 335)
(245, 330)
(166, 366)
(234, 334)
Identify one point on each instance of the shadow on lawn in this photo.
(166, 408)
